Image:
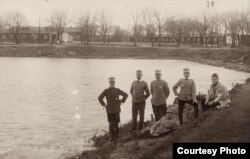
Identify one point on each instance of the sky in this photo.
(121, 11)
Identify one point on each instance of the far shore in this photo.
(231, 58)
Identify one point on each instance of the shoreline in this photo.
(232, 58)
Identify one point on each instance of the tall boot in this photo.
(196, 110)
(141, 124)
(111, 131)
(116, 131)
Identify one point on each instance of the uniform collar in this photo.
(216, 86)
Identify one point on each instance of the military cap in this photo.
(111, 79)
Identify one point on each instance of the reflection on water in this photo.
(49, 107)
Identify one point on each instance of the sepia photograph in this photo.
(124, 79)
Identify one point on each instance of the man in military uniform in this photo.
(187, 94)
(218, 96)
(140, 92)
(160, 92)
(113, 109)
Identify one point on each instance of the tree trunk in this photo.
(239, 40)
(87, 39)
(81, 38)
(135, 42)
(16, 38)
(205, 36)
(60, 39)
(17, 41)
(177, 41)
(152, 41)
(159, 40)
(201, 40)
(233, 41)
(87, 35)
(212, 41)
(104, 39)
(218, 41)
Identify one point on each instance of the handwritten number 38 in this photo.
(210, 4)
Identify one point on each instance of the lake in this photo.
(49, 106)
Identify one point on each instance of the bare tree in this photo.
(197, 27)
(247, 27)
(159, 21)
(110, 29)
(136, 28)
(1, 24)
(201, 25)
(191, 28)
(174, 27)
(119, 34)
(92, 30)
(205, 27)
(14, 21)
(86, 21)
(58, 21)
(216, 29)
(231, 23)
(244, 20)
(106, 26)
(149, 24)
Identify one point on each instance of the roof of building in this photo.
(34, 29)
(29, 29)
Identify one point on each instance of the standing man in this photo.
(160, 92)
(187, 94)
(217, 95)
(140, 92)
(113, 109)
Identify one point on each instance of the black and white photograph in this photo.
(124, 79)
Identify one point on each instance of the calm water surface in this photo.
(49, 107)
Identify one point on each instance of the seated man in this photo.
(166, 124)
(218, 96)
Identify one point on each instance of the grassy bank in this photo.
(237, 59)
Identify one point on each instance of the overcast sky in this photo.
(121, 10)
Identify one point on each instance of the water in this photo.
(49, 107)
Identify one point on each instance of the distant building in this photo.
(66, 37)
(48, 35)
(28, 35)
(74, 32)
(40, 35)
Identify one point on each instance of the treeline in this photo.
(148, 23)
(235, 24)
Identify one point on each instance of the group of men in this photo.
(217, 95)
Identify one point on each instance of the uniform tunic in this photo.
(220, 93)
(187, 89)
(113, 101)
(139, 91)
(160, 92)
